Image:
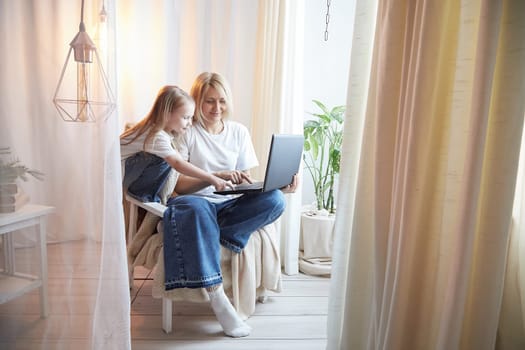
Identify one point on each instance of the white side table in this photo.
(14, 284)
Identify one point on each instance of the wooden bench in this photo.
(157, 209)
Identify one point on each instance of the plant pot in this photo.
(12, 197)
(316, 243)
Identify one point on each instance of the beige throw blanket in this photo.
(246, 276)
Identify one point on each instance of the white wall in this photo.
(326, 63)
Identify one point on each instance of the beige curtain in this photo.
(430, 160)
(511, 331)
(278, 101)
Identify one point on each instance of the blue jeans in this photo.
(194, 229)
(144, 176)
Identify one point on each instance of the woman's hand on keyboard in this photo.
(235, 176)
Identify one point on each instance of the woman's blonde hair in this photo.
(201, 85)
(169, 98)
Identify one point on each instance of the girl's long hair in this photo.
(201, 85)
(169, 98)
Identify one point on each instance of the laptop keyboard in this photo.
(248, 186)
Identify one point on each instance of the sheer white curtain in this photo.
(278, 101)
(428, 175)
(86, 254)
(171, 42)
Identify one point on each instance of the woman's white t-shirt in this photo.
(232, 149)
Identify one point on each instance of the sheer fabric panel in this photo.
(278, 100)
(339, 320)
(86, 247)
(171, 42)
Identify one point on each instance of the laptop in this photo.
(283, 163)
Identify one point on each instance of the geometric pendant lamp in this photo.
(83, 93)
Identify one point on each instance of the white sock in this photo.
(231, 323)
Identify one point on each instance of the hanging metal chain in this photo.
(328, 3)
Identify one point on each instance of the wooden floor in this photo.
(292, 319)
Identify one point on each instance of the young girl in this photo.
(147, 148)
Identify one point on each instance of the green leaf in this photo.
(321, 106)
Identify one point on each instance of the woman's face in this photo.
(180, 119)
(213, 106)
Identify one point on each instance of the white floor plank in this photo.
(275, 305)
(23, 344)
(29, 304)
(206, 327)
(229, 344)
(54, 327)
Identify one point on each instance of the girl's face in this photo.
(180, 119)
(213, 106)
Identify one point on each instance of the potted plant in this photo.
(11, 196)
(11, 170)
(323, 137)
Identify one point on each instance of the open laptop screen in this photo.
(283, 163)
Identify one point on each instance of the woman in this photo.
(195, 225)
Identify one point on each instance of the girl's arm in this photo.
(185, 168)
(188, 184)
